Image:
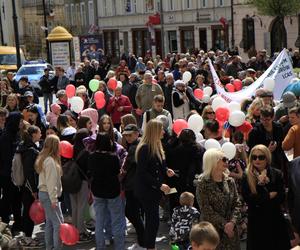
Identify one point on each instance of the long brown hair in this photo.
(50, 149)
(111, 129)
(250, 168)
(152, 138)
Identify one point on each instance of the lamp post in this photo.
(15, 21)
(232, 25)
(46, 30)
(297, 43)
(162, 30)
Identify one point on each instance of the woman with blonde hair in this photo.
(12, 103)
(218, 198)
(253, 113)
(48, 167)
(263, 191)
(149, 182)
(208, 113)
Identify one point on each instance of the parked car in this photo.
(8, 58)
(34, 70)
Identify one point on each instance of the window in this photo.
(104, 8)
(188, 4)
(204, 4)
(77, 14)
(72, 14)
(221, 2)
(130, 6)
(113, 6)
(91, 12)
(83, 14)
(149, 5)
(171, 4)
(67, 14)
(172, 38)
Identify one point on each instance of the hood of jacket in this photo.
(13, 122)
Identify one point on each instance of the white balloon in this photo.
(236, 118)
(207, 91)
(212, 143)
(195, 123)
(187, 76)
(269, 84)
(92, 212)
(229, 150)
(218, 102)
(199, 137)
(206, 98)
(76, 104)
(234, 106)
(119, 84)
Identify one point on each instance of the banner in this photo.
(90, 47)
(281, 71)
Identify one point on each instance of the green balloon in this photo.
(94, 85)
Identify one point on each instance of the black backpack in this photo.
(71, 179)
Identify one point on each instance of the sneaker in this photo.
(136, 246)
(85, 237)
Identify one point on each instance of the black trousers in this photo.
(151, 210)
(10, 202)
(133, 212)
(27, 200)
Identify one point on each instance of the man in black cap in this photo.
(47, 88)
(133, 207)
(25, 87)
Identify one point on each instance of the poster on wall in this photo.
(76, 48)
(60, 54)
(91, 47)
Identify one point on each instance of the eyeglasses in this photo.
(259, 157)
(224, 159)
(210, 113)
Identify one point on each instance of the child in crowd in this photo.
(204, 236)
(183, 218)
(53, 114)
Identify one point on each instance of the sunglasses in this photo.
(224, 159)
(210, 113)
(259, 157)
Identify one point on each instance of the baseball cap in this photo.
(289, 99)
(130, 128)
(28, 93)
(266, 93)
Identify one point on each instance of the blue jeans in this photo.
(47, 97)
(115, 208)
(53, 220)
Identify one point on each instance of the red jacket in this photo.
(121, 101)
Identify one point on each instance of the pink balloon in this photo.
(69, 234)
(238, 84)
(98, 95)
(37, 212)
(100, 103)
(230, 87)
(154, 81)
(70, 90)
(198, 93)
(179, 125)
(66, 149)
(112, 83)
(222, 114)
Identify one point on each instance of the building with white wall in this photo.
(187, 24)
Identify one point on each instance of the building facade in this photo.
(262, 32)
(186, 25)
(34, 27)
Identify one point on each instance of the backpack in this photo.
(17, 170)
(71, 179)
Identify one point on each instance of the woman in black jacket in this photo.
(29, 150)
(263, 191)
(104, 166)
(150, 174)
(79, 200)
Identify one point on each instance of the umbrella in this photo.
(293, 87)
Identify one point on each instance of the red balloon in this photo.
(238, 84)
(179, 125)
(246, 127)
(37, 212)
(230, 87)
(112, 83)
(66, 149)
(198, 93)
(222, 114)
(100, 103)
(70, 90)
(98, 95)
(69, 234)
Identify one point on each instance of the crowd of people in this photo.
(132, 164)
